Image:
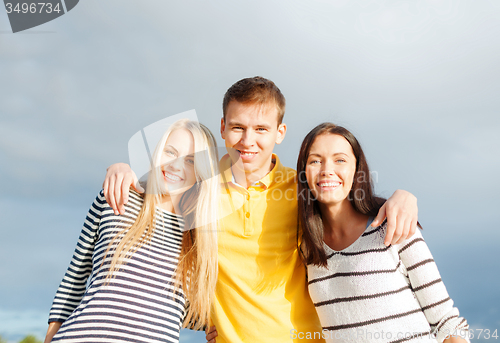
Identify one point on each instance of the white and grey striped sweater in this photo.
(140, 303)
(374, 293)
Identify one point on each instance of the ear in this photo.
(222, 128)
(281, 133)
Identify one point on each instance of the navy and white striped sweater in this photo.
(140, 303)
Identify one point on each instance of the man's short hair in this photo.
(255, 90)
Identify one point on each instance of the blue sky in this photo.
(416, 81)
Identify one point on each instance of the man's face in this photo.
(251, 131)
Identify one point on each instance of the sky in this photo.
(416, 81)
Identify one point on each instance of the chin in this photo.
(330, 201)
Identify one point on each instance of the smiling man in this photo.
(261, 291)
(251, 129)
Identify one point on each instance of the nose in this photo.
(327, 168)
(247, 139)
(175, 164)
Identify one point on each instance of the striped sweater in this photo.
(139, 304)
(374, 293)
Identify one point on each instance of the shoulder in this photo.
(135, 203)
(284, 174)
(133, 206)
(411, 241)
(379, 232)
(136, 197)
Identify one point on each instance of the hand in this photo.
(119, 178)
(402, 216)
(211, 333)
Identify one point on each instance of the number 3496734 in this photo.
(33, 7)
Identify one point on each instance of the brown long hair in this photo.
(361, 196)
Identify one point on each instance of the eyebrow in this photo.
(336, 153)
(235, 123)
(265, 126)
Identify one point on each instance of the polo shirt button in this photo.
(248, 196)
(248, 214)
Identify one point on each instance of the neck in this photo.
(246, 178)
(339, 219)
(169, 202)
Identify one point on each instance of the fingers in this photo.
(401, 211)
(119, 178)
(402, 228)
(380, 216)
(392, 233)
(111, 194)
(139, 188)
(118, 194)
(413, 227)
(128, 181)
(400, 224)
(211, 334)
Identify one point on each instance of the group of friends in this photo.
(248, 249)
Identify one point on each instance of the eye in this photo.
(314, 161)
(169, 152)
(237, 128)
(340, 160)
(261, 129)
(190, 160)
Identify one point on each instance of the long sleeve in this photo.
(429, 289)
(73, 285)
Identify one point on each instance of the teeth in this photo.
(172, 177)
(329, 184)
(247, 153)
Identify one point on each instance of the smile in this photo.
(171, 177)
(247, 156)
(245, 153)
(329, 184)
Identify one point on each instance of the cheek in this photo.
(267, 142)
(349, 177)
(231, 139)
(163, 162)
(191, 176)
(310, 173)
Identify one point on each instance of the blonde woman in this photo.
(133, 276)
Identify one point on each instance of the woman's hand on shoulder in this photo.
(119, 178)
(401, 212)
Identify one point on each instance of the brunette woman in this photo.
(363, 290)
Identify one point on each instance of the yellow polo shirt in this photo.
(261, 291)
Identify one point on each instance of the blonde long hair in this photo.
(197, 270)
